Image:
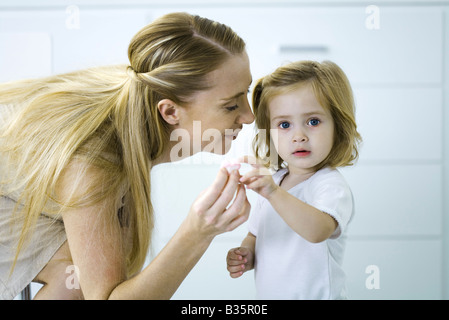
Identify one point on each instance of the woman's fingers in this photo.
(237, 212)
(211, 194)
(215, 211)
(227, 193)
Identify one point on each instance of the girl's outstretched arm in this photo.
(307, 221)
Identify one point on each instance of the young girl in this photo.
(297, 231)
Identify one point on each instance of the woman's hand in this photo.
(214, 212)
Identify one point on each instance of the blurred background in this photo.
(395, 54)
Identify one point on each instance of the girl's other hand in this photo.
(239, 260)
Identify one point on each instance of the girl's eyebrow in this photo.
(281, 117)
(306, 114)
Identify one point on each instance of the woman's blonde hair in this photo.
(333, 92)
(106, 118)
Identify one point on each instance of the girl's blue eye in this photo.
(313, 122)
(284, 125)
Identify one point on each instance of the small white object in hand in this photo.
(231, 165)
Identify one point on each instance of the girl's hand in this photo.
(239, 260)
(259, 179)
(213, 213)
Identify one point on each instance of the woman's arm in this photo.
(206, 219)
(96, 247)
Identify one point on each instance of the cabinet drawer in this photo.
(400, 124)
(80, 38)
(24, 55)
(406, 269)
(396, 200)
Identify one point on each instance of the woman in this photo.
(79, 148)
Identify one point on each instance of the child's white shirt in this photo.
(286, 265)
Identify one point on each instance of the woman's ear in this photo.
(169, 111)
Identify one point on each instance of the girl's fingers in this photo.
(236, 269)
(250, 160)
(250, 176)
(236, 274)
(254, 175)
(233, 259)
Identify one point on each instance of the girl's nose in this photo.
(299, 136)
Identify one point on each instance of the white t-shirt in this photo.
(289, 267)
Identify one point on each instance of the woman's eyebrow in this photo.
(233, 97)
(237, 95)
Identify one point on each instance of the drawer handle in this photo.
(303, 49)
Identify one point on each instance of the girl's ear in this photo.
(169, 111)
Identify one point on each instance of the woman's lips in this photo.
(232, 137)
(234, 134)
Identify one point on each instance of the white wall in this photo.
(398, 68)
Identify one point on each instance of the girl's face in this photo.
(214, 117)
(305, 130)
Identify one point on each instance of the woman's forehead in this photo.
(232, 78)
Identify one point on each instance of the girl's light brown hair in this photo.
(333, 92)
(104, 123)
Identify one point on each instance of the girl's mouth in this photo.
(301, 153)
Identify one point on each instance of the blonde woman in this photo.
(298, 228)
(77, 150)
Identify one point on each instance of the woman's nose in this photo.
(246, 116)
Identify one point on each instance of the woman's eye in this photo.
(232, 108)
(284, 125)
(313, 122)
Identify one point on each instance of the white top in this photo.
(289, 267)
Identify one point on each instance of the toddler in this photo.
(297, 230)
